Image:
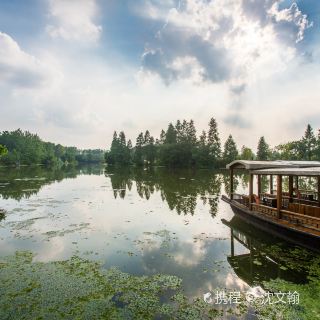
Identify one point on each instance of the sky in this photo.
(74, 71)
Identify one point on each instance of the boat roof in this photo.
(259, 165)
(310, 171)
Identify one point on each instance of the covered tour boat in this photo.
(286, 210)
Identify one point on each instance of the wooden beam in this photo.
(279, 195)
(231, 183)
(250, 190)
(259, 185)
(290, 188)
(271, 184)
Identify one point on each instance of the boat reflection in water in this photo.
(265, 258)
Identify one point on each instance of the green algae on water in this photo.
(80, 289)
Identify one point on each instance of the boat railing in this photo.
(306, 202)
(301, 219)
(308, 216)
(304, 209)
(265, 210)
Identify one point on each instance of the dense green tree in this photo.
(178, 131)
(90, 156)
(3, 150)
(308, 144)
(287, 151)
(263, 150)
(150, 151)
(203, 139)
(110, 156)
(171, 135)
(230, 151)
(28, 149)
(191, 133)
(246, 153)
(201, 152)
(147, 137)
(122, 139)
(175, 155)
(317, 150)
(162, 137)
(179, 147)
(119, 152)
(214, 143)
(138, 153)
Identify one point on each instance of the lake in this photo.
(144, 222)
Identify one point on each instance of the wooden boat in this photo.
(293, 215)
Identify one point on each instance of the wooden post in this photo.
(271, 184)
(290, 188)
(232, 243)
(279, 195)
(231, 183)
(297, 183)
(250, 190)
(259, 185)
(251, 257)
(319, 191)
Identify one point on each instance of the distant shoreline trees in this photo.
(25, 148)
(179, 146)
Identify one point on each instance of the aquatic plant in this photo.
(80, 289)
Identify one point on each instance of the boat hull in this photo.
(286, 233)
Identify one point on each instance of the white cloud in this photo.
(19, 69)
(293, 16)
(223, 41)
(220, 62)
(74, 20)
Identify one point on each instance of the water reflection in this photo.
(179, 189)
(267, 257)
(23, 182)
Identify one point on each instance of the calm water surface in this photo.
(142, 221)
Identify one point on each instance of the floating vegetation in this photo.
(61, 233)
(80, 289)
(24, 224)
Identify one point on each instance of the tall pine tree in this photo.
(230, 152)
(214, 143)
(308, 144)
(263, 150)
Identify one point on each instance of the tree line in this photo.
(24, 148)
(179, 146)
